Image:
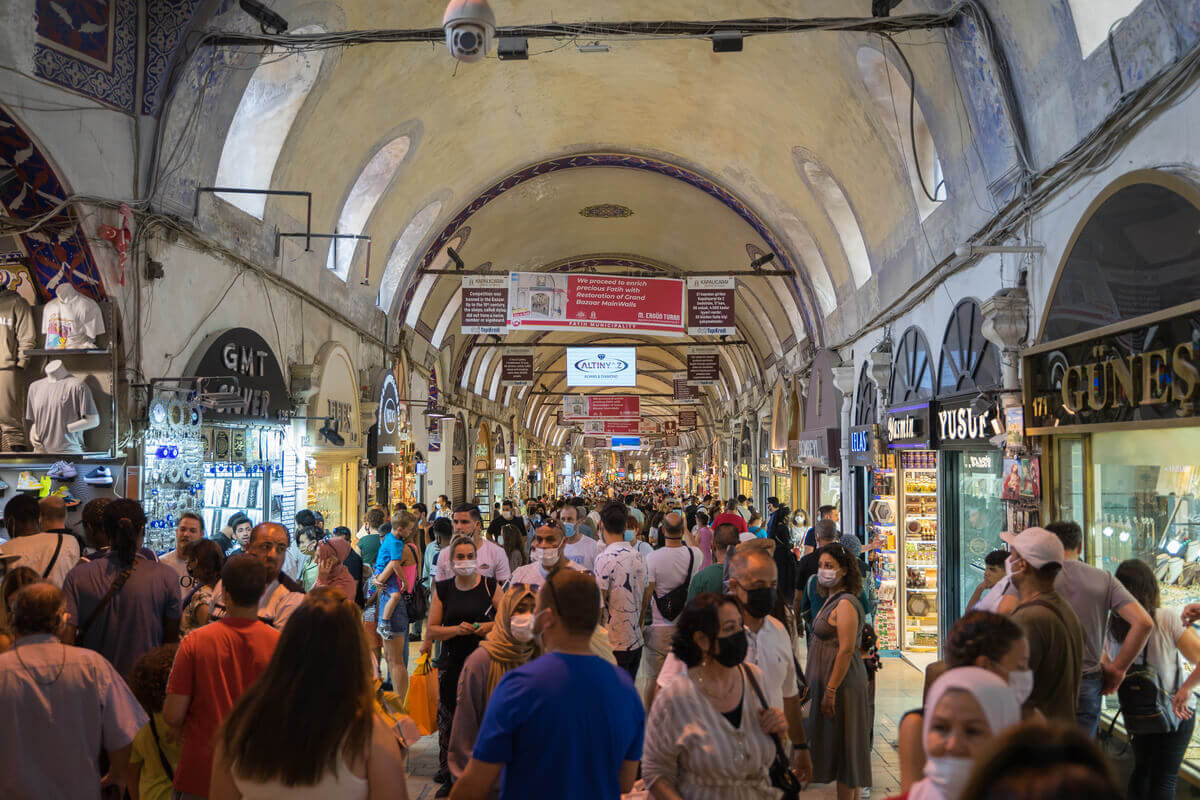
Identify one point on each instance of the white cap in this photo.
(1037, 546)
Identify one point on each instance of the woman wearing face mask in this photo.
(709, 735)
(979, 639)
(459, 617)
(966, 710)
(839, 722)
(306, 539)
(508, 645)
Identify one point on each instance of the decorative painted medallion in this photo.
(606, 211)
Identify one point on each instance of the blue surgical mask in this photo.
(569, 529)
(629, 536)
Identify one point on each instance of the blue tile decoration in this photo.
(90, 47)
(166, 23)
(800, 279)
(36, 191)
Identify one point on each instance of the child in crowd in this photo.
(156, 747)
(392, 572)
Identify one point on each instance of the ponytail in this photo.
(124, 521)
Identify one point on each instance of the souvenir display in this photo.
(919, 482)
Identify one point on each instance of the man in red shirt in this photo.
(730, 515)
(214, 666)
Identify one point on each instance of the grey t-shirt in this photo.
(51, 406)
(1092, 593)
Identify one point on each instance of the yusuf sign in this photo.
(958, 423)
(549, 301)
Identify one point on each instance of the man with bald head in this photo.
(671, 570)
(63, 705)
(268, 543)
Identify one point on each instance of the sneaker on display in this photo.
(62, 471)
(69, 499)
(3, 485)
(28, 483)
(44, 487)
(100, 476)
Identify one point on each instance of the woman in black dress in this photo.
(461, 614)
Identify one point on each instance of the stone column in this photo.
(881, 373)
(843, 379)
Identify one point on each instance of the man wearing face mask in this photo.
(491, 560)
(547, 558)
(507, 516)
(623, 578)
(580, 549)
(1056, 639)
(524, 733)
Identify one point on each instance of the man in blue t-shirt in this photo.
(598, 744)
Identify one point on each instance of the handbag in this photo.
(421, 702)
(416, 603)
(671, 604)
(781, 774)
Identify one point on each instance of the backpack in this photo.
(1144, 703)
(671, 604)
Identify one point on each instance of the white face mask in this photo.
(521, 626)
(506, 514)
(827, 577)
(1008, 568)
(548, 556)
(1021, 682)
(949, 774)
(465, 567)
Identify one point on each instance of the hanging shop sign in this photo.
(385, 440)
(243, 353)
(683, 393)
(814, 448)
(335, 404)
(710, 305)
(549, 301)
(703, 366)
(908, 428)
(582, 407)
(1140, 373)
(958, 423)
(614, 428)
(863, 443)
(687, 419)
(484, 304)
(601, 366)
(516, 367)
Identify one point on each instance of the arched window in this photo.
(415, 302)
(1094, 18)
(968, 362)
(866, 398)
(268, 107)
(367, 190)
(402, 252)
(841, 215)
(891, 92)
(912, 370)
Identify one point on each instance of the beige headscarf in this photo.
(506, 652)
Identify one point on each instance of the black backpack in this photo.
(671, 604)
(1144, 703)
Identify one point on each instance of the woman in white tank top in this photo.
(307, 729)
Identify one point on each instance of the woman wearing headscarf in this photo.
(508, 645)
(966, 710)
(331, 571)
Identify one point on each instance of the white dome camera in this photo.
(470, 26)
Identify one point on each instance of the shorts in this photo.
(397, 626)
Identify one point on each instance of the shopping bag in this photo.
(421, 703)
(390, 708)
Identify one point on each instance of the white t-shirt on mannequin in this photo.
(71, 320)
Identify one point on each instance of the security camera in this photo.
(469, 26)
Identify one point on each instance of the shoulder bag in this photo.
(671, 604)
(162, 757)
(1144, 703)
(104, 601)
(781, 774)
(416, 600)
(53, 558)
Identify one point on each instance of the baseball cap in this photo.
(1038, 546)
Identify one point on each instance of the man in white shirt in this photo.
(268, 543)
(623, 577)
(490, 559)
(50, 555)
(580, 549)
(547, 558)
(670, 568)
(188, 531)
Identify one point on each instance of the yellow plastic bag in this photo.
(421, 703)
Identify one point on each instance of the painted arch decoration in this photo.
(912, 370)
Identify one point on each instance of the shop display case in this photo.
(918, 528)
(882, 522)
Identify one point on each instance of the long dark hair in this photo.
(281, 729)
(1138, 578)
(124, 522)
(852, 583)
(512, 539)
(209, 559)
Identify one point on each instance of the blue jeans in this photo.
(1156, 761)
(1087, 710)
(397, 626)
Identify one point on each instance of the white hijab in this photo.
(995, 697)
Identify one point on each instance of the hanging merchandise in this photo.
(71, 320)
(59, 408)
(172, 466)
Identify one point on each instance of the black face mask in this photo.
(759, 602)
(731, 649)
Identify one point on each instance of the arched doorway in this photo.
(499, 466)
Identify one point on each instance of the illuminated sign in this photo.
(601, 366)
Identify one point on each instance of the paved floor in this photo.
(898, 689)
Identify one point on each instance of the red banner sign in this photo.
(484, 304)
(579, 408)
(613, 428)
(548, 301)
(710, 305)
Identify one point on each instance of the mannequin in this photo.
(60, 408)
(71, 320)
(17, 337)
